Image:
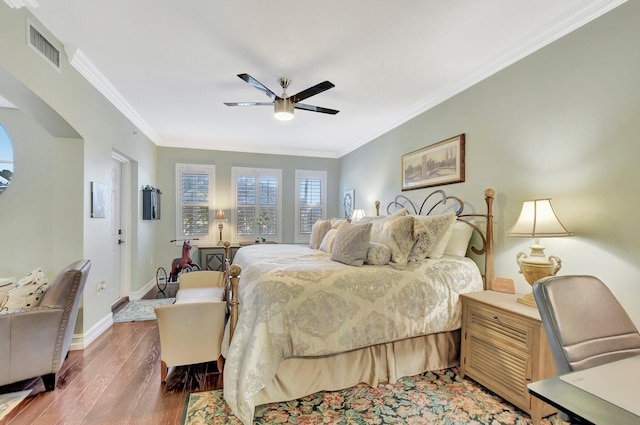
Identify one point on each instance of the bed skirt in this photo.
(298, 377)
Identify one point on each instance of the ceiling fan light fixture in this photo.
(283, 109)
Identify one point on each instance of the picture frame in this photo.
(348, 202)
(98, 200)
(434, 165)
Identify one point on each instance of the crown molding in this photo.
(17, 4)
(571, 20)
(90, 72)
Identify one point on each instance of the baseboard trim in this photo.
(82, 341)
(140, 293)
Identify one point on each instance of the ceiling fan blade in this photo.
(258, 85)
(312, 91)
(248, 103)
(315, 108)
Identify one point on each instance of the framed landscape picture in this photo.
(434, 165)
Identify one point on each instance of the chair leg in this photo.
(164, 369)
(50, 380)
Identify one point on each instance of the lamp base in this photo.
(528, 299)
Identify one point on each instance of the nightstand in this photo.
(504, 348)
(212, 257)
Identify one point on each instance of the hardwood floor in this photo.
(116, 380)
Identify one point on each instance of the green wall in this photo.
(561, 123)
(224, 161)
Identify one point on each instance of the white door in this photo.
(117, 238)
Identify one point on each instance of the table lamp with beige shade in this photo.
(220, 217)
(537, 220)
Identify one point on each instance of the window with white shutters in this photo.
(257, 198)
(311, 201)
(194, 193)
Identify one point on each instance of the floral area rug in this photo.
(140, 310)
(439, 397)
(10, 400)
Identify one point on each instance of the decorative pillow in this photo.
(378, 254)
(441, 244)
(318, 230)
(396, 232)
(27, 292)
(429, 230)
(399, 213)
(6, 284)
(351, 244)
(459, 240)
(328, 240)
(337, 222)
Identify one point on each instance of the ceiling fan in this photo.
(283, 105)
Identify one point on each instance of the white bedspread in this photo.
(296, 302)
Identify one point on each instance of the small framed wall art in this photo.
(434, 165)
(348, 202)
(98, 200)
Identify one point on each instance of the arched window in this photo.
(6, 160)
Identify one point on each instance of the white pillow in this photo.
(318, 230)
(441, 244)
(428, 231)
(327, 241)
(27, 293)
(459, 241)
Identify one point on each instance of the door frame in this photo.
(125, 223)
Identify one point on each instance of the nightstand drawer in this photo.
(510, 328)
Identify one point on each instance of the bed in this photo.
(302, 322)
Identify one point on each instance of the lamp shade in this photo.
(538, 219)
(220, 215)
(283, 109)
(357, 215)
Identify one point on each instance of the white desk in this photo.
(602, 395)
(617, 382)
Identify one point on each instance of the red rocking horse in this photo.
(182, 264)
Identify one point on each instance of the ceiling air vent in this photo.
(44, 47)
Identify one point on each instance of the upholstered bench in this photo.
(199, 310)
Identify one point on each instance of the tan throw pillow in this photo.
(318, 230)
(27, 293)
(459, 241)
(337, 222)
(327, 241)
(351, 244)
(396, 232)
(429, 230)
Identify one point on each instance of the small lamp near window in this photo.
(357, 215)
(537, 220)
(220, 218)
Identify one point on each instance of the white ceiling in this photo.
(170, 64)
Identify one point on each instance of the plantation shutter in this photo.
(194, 200)
(310, 203)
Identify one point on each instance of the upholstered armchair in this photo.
(36, 341)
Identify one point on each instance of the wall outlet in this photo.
(101, 286)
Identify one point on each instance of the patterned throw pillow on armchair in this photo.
(27, 292)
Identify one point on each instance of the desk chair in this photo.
(585, 324)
